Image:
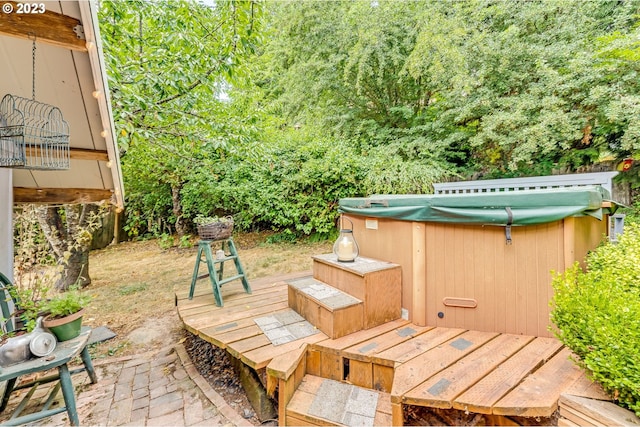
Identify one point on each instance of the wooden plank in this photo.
(383, 296)
(206, 305)
(236, 349)
(602, 412)
(415, 346)
(585, 387)
(295, 421)
(418, 275)
(284, 365)
(569, 237)
(59, 195)
(313, 361)
(74, 153)
(286, 392)
(563, 422)
(260, 357)
(310, 384)
(205, 320)
(538, 394)
(331, 366)
(498, 420)
(441, 389)
(382, 378)
(384, 404)
(339, 344)
(85, 154)
(47, 27)
(232, 294)
(484, 394)
(238, 334)
(360, 374)
(577, 417)
(219, 332)
(364, 350)
(397, 414)
(382, 419)
(346, 320)
(419, 369)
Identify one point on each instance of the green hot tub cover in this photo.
(524, 207)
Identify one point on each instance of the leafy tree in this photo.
(169, 65)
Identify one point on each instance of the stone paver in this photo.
(159, 388)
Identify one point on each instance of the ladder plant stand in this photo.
(215, 275)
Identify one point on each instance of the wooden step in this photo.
(330, 310)
(324, 402)
(378, 284)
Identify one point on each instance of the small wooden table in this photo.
(64, 352)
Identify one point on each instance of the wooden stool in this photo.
(215, 276)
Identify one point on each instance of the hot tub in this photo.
(480, 261)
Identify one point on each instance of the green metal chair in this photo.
(61, 356)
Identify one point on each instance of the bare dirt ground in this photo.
(133, 295)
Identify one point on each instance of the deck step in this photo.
(332, 311)
(324, 402)
(378, 284)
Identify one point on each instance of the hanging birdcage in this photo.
(33, 135)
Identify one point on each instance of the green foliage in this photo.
(185, 241)
(165, 241)
(35, 270)
(169, 65)
(204, 220)
(597, 313)
(66, 303)
(272, 111)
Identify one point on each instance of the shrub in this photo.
(597, 314)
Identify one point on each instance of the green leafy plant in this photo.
(67, 303)
(165, 241)
(185, 241)
(204, 220)
(29, 301)
(597, 314)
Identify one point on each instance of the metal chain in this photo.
(33, 82)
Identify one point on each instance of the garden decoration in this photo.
(33, 135)
(214, 228)
(346, 247)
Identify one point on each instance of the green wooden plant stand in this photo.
(215, 276)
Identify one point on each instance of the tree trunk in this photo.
(68, 231)
(76, 270)
(177, 209)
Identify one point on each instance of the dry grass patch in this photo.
(133, 282)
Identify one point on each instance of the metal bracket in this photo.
(79, 30)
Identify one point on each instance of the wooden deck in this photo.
(500, 375)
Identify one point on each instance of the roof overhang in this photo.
(70, 74)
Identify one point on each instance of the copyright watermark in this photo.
(24, 8)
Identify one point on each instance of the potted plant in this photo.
(65, 313)
(214, 227)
